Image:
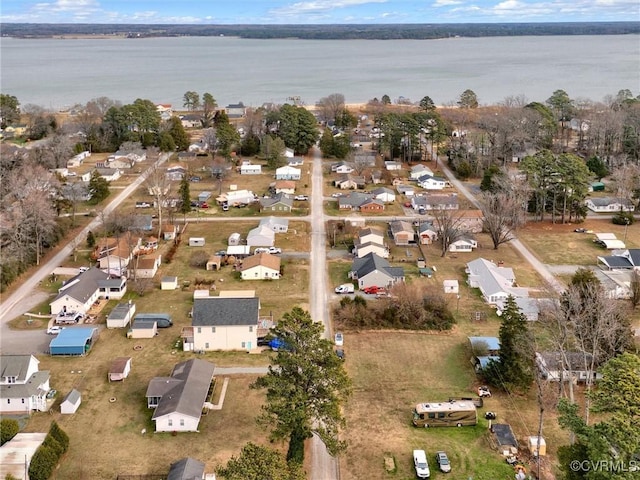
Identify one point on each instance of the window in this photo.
(170, 422)
(440, 415)
(244, 345)
(206, 346)
(23, 400)
(11, 379)
(213, 329)
(251, 328)
(432, 415)
(8, 401)
(199, 329)
(182, 422)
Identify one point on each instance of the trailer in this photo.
(455, 413)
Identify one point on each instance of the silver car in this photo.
(443, 462)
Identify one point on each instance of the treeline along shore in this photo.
(322, 32)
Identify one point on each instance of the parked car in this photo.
(339, 339)
(340, 353)
(51, 393)
(83, 269)
(336, 195)
(261, 250)
(301, 198)
(443, 462)
(275, 250)
(372, 290)
(221, 253)
(143, 205)
(580, 230)
(420, 463)
(203, 205)
(195, 179)
(483, 391)
(55, 330)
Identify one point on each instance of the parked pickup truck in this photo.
(345, 288)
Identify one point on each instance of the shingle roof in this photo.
(264, 259)
(72, 397)
(217, 311)
(372, 262)
(15, 366)
(190, 383)
(186, 469)
(82, 286)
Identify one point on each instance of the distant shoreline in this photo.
(317, 32)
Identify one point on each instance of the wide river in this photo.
(56, 73)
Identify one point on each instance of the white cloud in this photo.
(317, 6)
(446, 3)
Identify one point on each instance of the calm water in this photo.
(59, 73)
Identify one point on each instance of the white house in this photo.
(570, 366)
(288, 173)
(71, 402)
(344, 168)
(495, 283)
(463, 244)
(384, 194)
(121, 315)
(370, 235)
(418, 171)
(23, 388)
(278, 225)
(79, 293)
(78, 159)
(289, 153)
(179, 400)
(429, 182)
(372, 270)
(261, 236)
(407, 190)
(235, 197)
(363, 249)
(393, 165)
(249, 169)
(221, 323)
(262, 266)
(451, 286)
(610, 204)
(146, 266)
(427, 233)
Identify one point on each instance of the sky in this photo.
(316, 11)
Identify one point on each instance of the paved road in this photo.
(538, 266)
(28, 296)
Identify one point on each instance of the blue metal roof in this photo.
(73, 337)
(493, 343)
(484, 361)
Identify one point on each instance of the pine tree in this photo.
(185, 196)
(514, 369)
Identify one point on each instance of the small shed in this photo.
(71, 402)
(451, 286)
(143, 329)
(537, 447)
(74, 341)
(204, 196)
(597, 187)
(121, 315)
(120, 369)
(239, 251)
(169, 283)
(214, 262)
(234, 239)
(201, 294)
(196, 241)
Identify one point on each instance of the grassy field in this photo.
(558, 244)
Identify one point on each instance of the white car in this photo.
(420, 464)
(301, 198)
(55, 330)
(339, 339)
(275, 250)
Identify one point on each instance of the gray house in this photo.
(282, 202)
(374, 271)
(186, 469)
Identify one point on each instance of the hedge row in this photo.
(48, 454)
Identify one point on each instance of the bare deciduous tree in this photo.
(330, 107)
(450, 227)
(159, 186)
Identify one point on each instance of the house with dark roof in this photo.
(236, 110)
(281, 202)
(224, 324)
(610, 204)
(23, 387)
(628, 259)
(186, 469)
(402, 232)
(80, 292)
(178, 400)
(496, 283)
(375, 271)
(360, 201)
(568, 366)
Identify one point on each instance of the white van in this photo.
(420, 463)
(345, 288)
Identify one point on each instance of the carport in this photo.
(74, 341)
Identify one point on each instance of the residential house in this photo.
(71, 402)
(236, 110)
(176, 173)
(610, 204)
(372, 270)
(145, 266)
(406, 190)
(376, 177)
(436, 201)
(224, 323)
(348, 182)
(371, 205)
(285, 186)
(136, 156)
(79, 293)
(296, 162)
(384, 194)
(237, 197)
(180, 399)
(393, 165)
(344, 168)
(262, 266)
(529, 307)
(466, 243)
(278, 225)
(141, 223)
(617, 283)
(470, 220)
(247, 168)
(23, 387)
(429, 182)
(418, 171)
(121, 315)
(371, 235)
(402, 232)
(363, 202)
(169, 232)
(362, 249)
(289, 153)
(568, 366)
(78, 159)
(496, 283)
(261, 236)
(288, 173)
(114, 254)
(109, 174)
(627, 259)
(427, 233)
(191, 120)
(281, 202)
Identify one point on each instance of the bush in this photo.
(42, 463)
(199, 259)
(63, 439)
(623, 218)
(9, 428)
